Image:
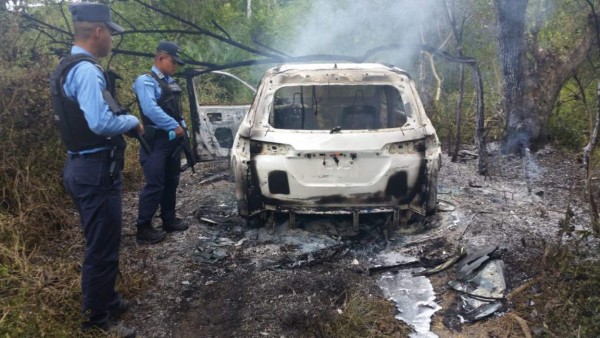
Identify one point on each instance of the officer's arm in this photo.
(90, 82)
(146, 90)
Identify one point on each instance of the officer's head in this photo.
(93, 27)
(167, 57)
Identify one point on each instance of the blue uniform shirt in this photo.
(84, 83)
(148, 92)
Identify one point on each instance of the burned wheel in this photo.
(263, 219)
(432, 191)
(256, 221)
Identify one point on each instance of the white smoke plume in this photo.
(346, 27)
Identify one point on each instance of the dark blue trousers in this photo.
(97, 197)
(161, 171)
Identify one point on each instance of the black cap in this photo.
(91, 12)
(172, 49)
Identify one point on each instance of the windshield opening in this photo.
(339, 107)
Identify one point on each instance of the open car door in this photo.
(214, 124)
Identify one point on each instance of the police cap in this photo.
(170, 48)
(92, 12)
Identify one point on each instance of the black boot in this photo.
(175, 225)
(113, 329)
(119, 309)
(101, 322)
(146, 234)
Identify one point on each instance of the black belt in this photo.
(157, 132)
(98, 154)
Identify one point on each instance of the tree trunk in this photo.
(425, 85)
(589, 149)
(532, 85)
(547, 71)
(511, 38)
(458, 110)
(458, 37)
(480, 128)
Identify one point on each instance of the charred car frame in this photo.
(329, 138)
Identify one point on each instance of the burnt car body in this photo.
(214, 125)
(342, 138)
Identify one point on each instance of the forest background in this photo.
(558, 68)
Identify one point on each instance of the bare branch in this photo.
(305, 58)
(160, 31)
(207, 32)
(39, 22)
(270, 48)
(62, 12)
(50, 36)
(221, 29)
(123, 18)
(112, 55)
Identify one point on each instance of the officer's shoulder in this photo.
(146, 78)
(83, 62)
(87, 66)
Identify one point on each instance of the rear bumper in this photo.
(400, 186)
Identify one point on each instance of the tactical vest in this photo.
(74, 129)
(169, 100)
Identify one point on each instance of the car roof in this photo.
(337, 65)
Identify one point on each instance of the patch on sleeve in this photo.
(149, 83)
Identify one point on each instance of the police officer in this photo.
(93, 137)
(159, 98)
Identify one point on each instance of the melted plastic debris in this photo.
(390, 258)
(445, 206)
(414, 298)
(483, 291)
(474, 260)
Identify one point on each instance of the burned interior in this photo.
(340, 107)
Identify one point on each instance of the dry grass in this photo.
(561, 300)
(564, 298)
(41, 249)
(41, 245)
(40, 290)
(363, 316)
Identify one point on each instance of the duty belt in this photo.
(97, 154)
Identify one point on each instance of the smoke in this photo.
(349, 27)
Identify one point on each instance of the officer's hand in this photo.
(140, 129)
(179, 131)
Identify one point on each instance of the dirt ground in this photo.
(229, 280)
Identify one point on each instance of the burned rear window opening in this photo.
(339, 107)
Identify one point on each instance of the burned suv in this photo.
(340, 138)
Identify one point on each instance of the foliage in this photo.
(573, 116)
(38, 282)
(562, 300)
(571, 123)
(560, 22)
